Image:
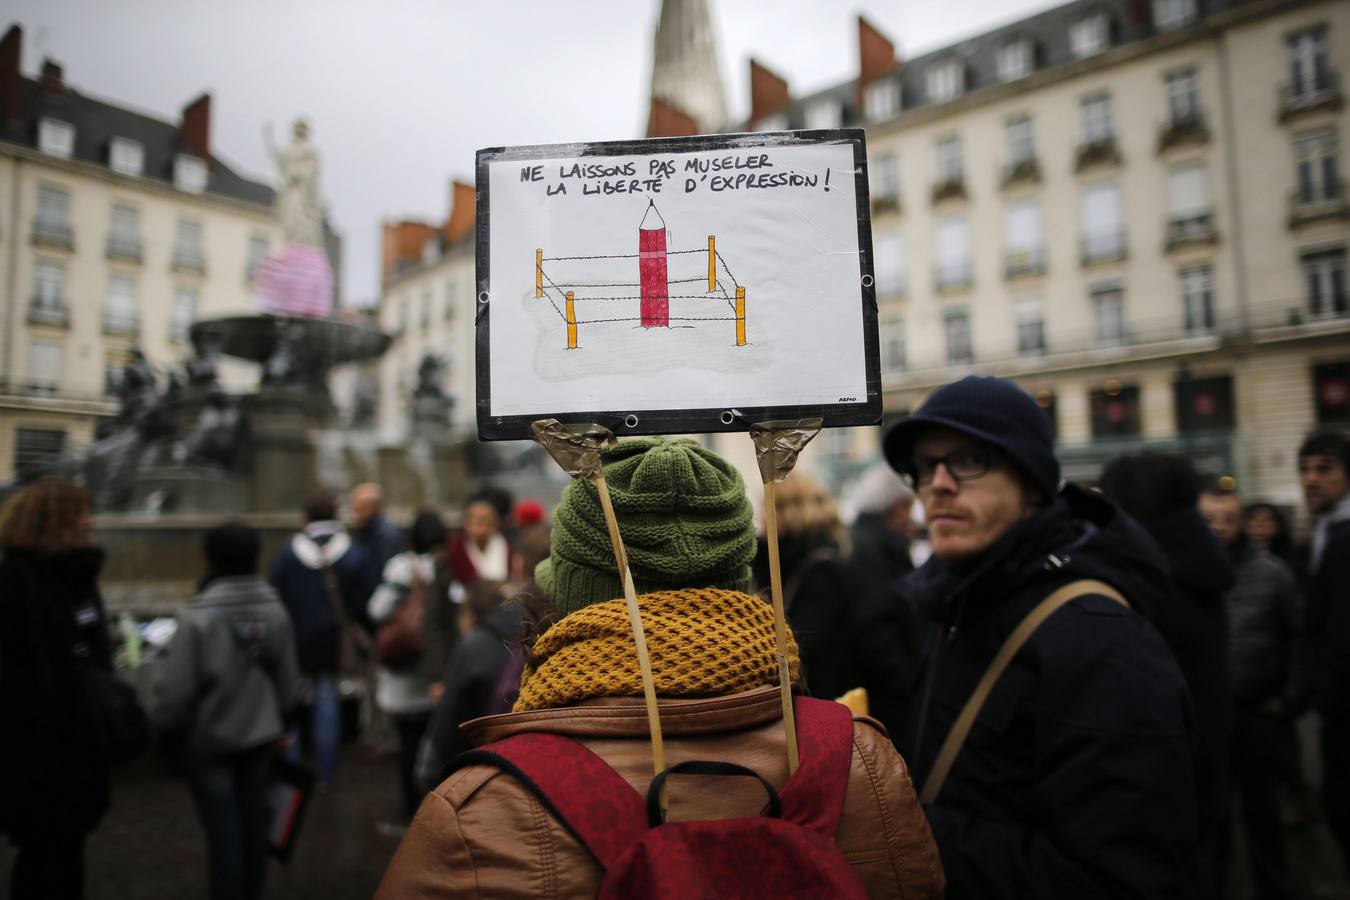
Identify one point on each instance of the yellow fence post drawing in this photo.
(571, 322)
(538, 273)
(712, 263)
(740, 317)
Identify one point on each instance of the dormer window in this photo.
(946, 81)
(1014, 60)
(881, 100)
(824, 114)
(1088, 36)
(1173, 13)
(126, 156)
(189, 173)
(56, 138)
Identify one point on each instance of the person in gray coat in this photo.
(229, 681)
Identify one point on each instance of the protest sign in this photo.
(676, 285)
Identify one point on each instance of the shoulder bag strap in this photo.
(956, 738)
(334, 594)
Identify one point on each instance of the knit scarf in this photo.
(703, 642)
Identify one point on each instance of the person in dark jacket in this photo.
(297, 573)
(1265, 612)
(53, 780)
(229, 683)
(371, 531)
(1324, 475)
(1161, 492)
(1076, 780)
(818, 583)
(477, 677)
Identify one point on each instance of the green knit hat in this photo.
(683, 515)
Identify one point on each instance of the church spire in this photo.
(685, 70)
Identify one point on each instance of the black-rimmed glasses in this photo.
(962, 465)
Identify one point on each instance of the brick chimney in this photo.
(53, 88)
(463, 202)
(768, 92)
(667, 121)
(11, 54)
(876, 55)
(195, 129)
(403, 243)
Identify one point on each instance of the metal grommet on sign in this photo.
(630, 420)
(727, 417)
(867, 281)
(482, 296)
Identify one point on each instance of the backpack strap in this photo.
(814, 796)
(956, 738)
(584, 793)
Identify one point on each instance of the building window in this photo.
(49, 294)
(1318, 172)
(1309, 65)
(1013, 60)
(187, 245)
(36, 447)
(56, 138)
(124, 232)
(1204, 404)
(1108, 315)
(1115, 410)
(957, 324)
(1097, 125)
(450, 294)
(126, 156)
(824, 114)
(1021, 143)
(886, 181)
(44, 367)
(881, 100)
(53, 211)
(1188, 194)
(257, 252)
(189, 173)
(1197, 299)
(1324, 275)
(1103, 231)
(949, 159)
(115, 360)
(1023, 238)
(953, 252)
(1030, 327)
(184, 312)
(946, 80)
(1331, 386)
(119, 305)
(892, 329)
(888, 252)
(1172, 13)
(1183, 95)
(1088, 36)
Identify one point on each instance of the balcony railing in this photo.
(1025, 262)
(949, 189)
(51, 233)
(189, 259)
(1024, 171)
(1190, 231)
(1327, 201)
(1179, 131)
(1107, 246)
(953, 276)
(124, 247)
(120, 323)
(1320, 93)
(1102, 152)
(47, 312)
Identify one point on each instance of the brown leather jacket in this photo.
(482, 834)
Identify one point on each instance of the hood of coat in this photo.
(1082, 534)
(320, 543)
(1200, 565)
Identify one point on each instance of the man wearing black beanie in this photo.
(1075, 776)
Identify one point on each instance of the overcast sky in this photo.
(400, 93)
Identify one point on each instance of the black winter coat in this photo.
(1329, 622)
(306, 599)
(1265, 628)
(1076, 780)
(52, 626)
(886, 632)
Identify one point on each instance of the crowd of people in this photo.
(1071, 692)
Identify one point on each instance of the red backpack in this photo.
(787, 852)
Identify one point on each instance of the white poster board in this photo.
(676, 285)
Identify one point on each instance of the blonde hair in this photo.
(42, 517)
(804, 506)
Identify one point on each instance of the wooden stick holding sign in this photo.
(576, 448)
(777, 445)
